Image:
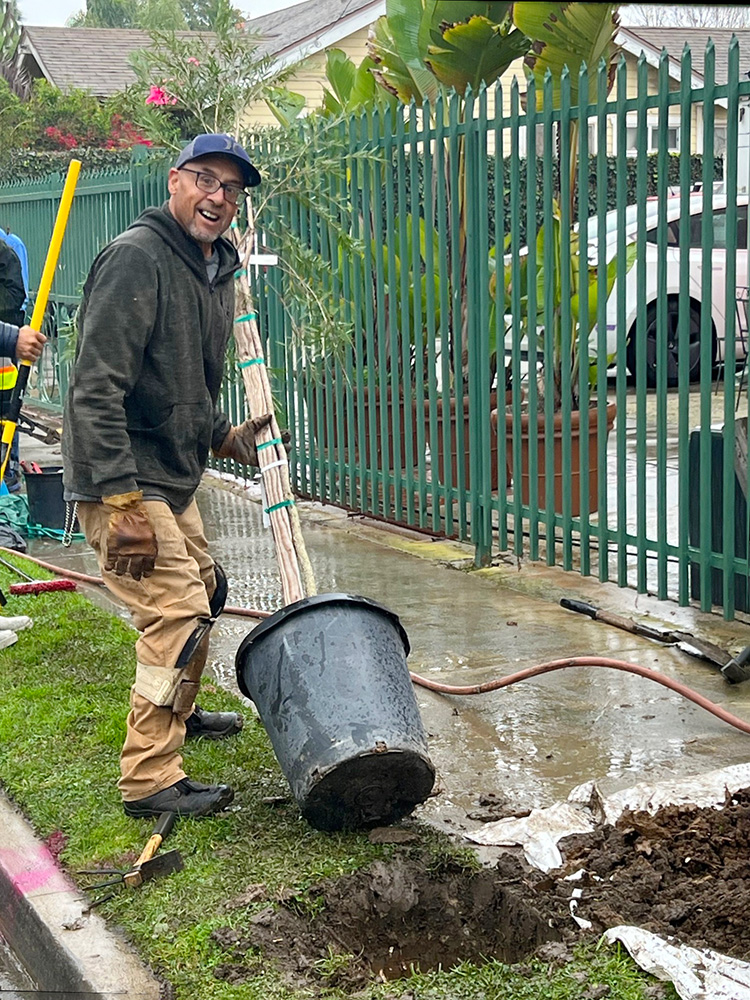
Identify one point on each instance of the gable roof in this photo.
(96, 59)
(92, 59)
(674, 40)
(313, 25)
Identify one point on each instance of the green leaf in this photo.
(340, 73)
(568, 34)
(404, 20)
(284, 104)
(473, 53)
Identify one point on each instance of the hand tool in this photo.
(686, 641)
(149, 865)
(30, 467)
(735, 670)
(10, 421)
(35, 586)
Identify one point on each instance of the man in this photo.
(140, 418)
(12, 302)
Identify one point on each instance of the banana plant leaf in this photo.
(474, 52)
(568, 34)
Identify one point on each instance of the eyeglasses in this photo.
(210, 184)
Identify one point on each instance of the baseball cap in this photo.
(220, 143)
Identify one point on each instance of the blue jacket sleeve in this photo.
(8, 339)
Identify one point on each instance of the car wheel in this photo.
(694, 348)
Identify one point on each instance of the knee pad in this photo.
(219, 597)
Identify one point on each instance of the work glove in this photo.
(239, 443)
(131, 542)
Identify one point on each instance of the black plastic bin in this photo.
(44, 492)
(329, 678)
(739, 506)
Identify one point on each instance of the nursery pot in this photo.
(329, 678)
(577, 446)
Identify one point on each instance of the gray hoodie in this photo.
(140, 411)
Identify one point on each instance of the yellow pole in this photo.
(40, 306)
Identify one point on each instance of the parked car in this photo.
(678, 237)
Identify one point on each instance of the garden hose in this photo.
(501, 682)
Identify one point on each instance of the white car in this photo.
(676, 239)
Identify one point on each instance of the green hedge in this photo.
(27, 164)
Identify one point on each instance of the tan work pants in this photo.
(165, 608)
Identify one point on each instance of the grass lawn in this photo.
(63, 700)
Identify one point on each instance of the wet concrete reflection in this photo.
(530, 743)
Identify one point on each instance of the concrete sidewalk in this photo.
(528, 744)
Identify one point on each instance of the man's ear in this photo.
(173, 180)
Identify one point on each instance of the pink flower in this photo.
(192, 61)
(159, 96)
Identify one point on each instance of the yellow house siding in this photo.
(309, 78)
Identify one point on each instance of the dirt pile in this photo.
(684, 873)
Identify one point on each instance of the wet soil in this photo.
(683, 874)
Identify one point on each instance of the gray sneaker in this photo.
(185, 797)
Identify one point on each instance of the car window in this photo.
(673, 234)
(719, 229)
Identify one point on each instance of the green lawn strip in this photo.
(63, 701)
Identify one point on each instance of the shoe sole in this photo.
(142, 812)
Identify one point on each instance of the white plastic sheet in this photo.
(695, 974)
(585, 808)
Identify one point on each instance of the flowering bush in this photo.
(157, 95)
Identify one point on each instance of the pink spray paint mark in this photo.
(33, 870)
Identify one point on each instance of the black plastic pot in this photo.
(329, 678)
(44, 493)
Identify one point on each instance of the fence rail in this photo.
(441, 306)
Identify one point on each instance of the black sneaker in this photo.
(185, 797)
(212, 725)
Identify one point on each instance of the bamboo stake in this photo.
(297, 580)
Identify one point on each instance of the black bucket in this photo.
(329, 678)
(44, 492)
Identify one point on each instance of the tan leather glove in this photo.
(131, 542)
(239, 443)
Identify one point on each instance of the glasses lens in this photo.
(234, 194)
(207, 183)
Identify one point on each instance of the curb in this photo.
(43, 919)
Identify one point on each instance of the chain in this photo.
(71, 509)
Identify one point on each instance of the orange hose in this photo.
(588, 661)
(501, 682)
(71, 574)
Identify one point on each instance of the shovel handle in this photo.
(583, 608)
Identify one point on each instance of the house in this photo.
(97, 60)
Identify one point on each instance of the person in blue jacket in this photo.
(17, 343)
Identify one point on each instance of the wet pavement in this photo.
(14, 984)
(529, 743)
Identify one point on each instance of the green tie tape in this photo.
(267, 444)
(251, 361)
(278, 506)
(246, 317)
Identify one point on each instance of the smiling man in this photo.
(141, 417)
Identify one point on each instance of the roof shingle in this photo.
(96, 59)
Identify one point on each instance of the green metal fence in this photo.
(427, 286)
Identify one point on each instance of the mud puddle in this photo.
(683, 874)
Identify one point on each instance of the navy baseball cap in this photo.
(219, 143)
